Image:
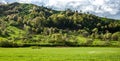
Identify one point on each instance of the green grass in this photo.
(16, 32)
(60, 54)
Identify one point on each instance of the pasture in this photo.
(60, 54)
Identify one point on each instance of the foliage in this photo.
(28, 23)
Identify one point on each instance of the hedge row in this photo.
(11, 44)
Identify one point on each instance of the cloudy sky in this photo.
(108, 8)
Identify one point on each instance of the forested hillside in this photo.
(31, 25)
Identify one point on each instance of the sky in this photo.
(107, 8)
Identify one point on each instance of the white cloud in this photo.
(103, 7)
(2, 1)
(97, 2)
(25, 1)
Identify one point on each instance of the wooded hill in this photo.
(28, 24)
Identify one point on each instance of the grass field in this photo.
(60, 54)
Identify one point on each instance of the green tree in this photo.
(116, 36)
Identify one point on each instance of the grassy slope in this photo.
(60, 54)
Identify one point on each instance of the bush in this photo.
(89, 41)
(115, 36)
(6, 43)
(98, 42)
(85, 34)
(107, 36)
(68, 43)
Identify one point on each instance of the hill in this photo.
(28, 24)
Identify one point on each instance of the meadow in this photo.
(60, 54)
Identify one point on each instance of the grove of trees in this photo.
(41, 25)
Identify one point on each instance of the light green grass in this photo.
(60, 54)
(15, 32)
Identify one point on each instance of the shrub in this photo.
(98, 42)
(115, 36)
(68, 43)
(89, 41)
(6, 43)
(107, 43)
(85, 34)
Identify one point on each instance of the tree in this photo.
(69, 12)
(38, 21)
(107, 36)
(116, 36)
